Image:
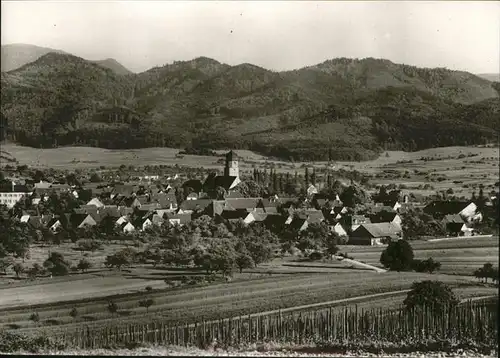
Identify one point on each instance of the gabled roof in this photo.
(199, 204)
(234, 214)
(453, 219)
(242, 203)
(444, 207)
(383, 216)
(213, 181)
(378, 230)
(183, 218)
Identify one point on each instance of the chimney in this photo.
(13, 185)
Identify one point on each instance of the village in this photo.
(151, 201)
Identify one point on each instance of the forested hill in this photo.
(355, 107)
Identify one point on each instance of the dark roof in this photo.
(445, 207)
(377, 230)
(453, 219)
(196, 184)
(241, 203)
(234, 214)
(199, 204)
(383, 216)
(213, 181)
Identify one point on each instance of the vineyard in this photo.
(470, 323)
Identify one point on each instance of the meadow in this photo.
(457, 256)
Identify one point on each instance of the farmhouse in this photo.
(375, 234)
(12, 194)
(441, 208)
(455, 225)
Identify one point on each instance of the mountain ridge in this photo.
(358, 107)
(14, 56)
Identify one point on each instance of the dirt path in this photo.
(361, 264)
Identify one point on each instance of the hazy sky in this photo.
(275, 35)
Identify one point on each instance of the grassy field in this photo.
(190, 304)
(283, 282)
(460, 256)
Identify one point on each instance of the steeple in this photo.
(231, 169)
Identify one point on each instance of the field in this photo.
(459, 168)
(283, 282)
(460, 256)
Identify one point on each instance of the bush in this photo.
(428, 265)
(398, 256)
(435, 295)
(314, 256)
(15, 342)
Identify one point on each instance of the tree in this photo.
(35, 317)
(84, 265)
(121, 258)
(428, 265)
(220, 193)
(34, 271)
(146, 303)
(434, 295)
(74, 312)
(112, 307)
(485, 272)
(5, 263)
(244, 261)
(56, 264)
(331, 247)
(18, 269)
(95, 178)
(398, 256)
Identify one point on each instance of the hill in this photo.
(15, 56)
(114, 66)
(347, 109)
(493, 77)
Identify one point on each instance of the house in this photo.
(12, 194)
(191, 206)
(375, 234)
(125, 190)
(440, 208)
(255, 217)
(456, 226)
(339, 229)
(249, 204)
(179, 219)
(142, 223)
(311, 190)
(386, 217)
(80, 221)
(126, 227)
(54, 224)
(95, 202)
(354, 221)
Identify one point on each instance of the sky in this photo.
(280, 35)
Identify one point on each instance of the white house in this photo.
(339, 229)
(14, 195)
(96, 202)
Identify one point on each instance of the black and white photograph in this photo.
(250, 178)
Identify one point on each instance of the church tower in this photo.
(231, 169)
